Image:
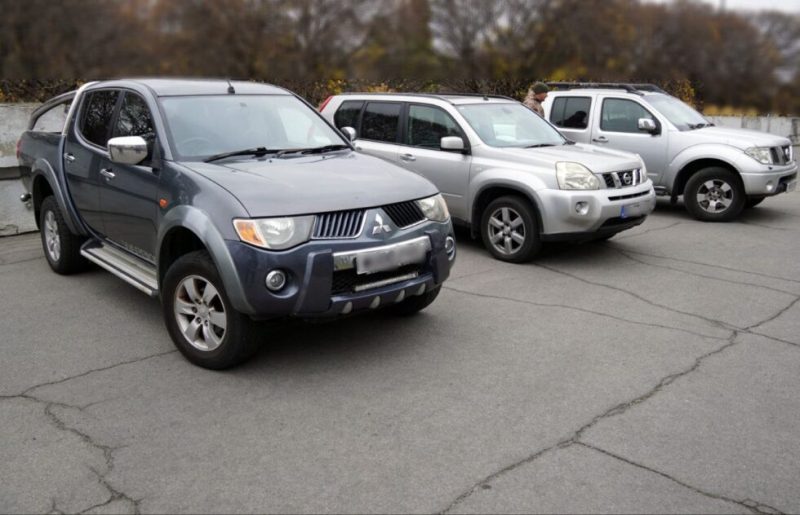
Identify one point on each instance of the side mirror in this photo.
(452, 143)
(350, 133)
(648, 125)
(128, 150)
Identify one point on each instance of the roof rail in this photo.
(439, 96)
(636, 88)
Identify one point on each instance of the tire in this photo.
(415, 304)
(753, 202)
(219, 337)
(62, 249)
(498, 229)
(714, 195)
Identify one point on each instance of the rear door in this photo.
(571, 115)
(128, 196)
(617, 126)
(424, 127)
(85, 153)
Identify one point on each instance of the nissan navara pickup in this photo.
(233, 202)
(505, 172)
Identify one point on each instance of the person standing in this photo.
(536, 95)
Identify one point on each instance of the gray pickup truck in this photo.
(718, 171)
(233, 202)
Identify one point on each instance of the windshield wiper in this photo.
(538, 145)
(694, 126)
(314, 150)
(570, 142)
(258, 152)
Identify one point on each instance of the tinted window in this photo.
(380, 122)
(428, 125)
(571, 112)
(135, 119)
(97, 116)
(347, 115)
(53, 120)
(622, 115)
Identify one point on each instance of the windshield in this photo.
(679, 114)
(207, 125)
(510, 125)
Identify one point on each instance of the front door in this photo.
(129, 193)
(617, 127)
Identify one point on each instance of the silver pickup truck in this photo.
(719, 171)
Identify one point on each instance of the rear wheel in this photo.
(714, 195)
(62, 249)
(415, 304)
(200, 318)
(509, 229)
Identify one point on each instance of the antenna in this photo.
(231, 91)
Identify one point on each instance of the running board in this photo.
(134, 271)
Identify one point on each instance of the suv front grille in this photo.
(624, 178)
(404, 214)
(341, 224)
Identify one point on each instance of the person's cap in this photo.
(540, 87)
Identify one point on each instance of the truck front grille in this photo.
(341, 224)
(624, 178)
(781, 155)
(404, 214)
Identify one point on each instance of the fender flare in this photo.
(41, 168)
(523, 182)
(730, 156)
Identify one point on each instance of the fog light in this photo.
(582, 208)
(770, 186)
(450, 247)
(276, 280)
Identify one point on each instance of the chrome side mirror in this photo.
(452, 143)
(647, 125)
(350, 133)
(127, 150)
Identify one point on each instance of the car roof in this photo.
(450, 98)
(191, 86)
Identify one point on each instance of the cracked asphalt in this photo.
(658, 372)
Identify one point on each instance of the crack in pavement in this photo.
(670, 226)
(695, 274)
(574, 438)
(753, 506)
(773, 317)
(584, 310)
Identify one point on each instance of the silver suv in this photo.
(719, 171)
(504, 171)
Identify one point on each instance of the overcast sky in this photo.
(792, 6)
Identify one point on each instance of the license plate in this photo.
(629, 210)
(391, 258)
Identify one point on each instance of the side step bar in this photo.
(134, 271)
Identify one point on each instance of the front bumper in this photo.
(321, 284)
(775, 180)
(604, 212)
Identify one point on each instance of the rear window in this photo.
(53, 119)
(571, 112)
(97, 113)
(380, 121)
(347, 115)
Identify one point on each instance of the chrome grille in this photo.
(404, 214)
(781, 155)
(624, 178)
(341, 224)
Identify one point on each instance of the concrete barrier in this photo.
(15, 218)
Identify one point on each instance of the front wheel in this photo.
(62, 249)
(509, 229)
(200, 318)
(714, 195)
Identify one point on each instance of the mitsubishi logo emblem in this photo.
(379, 226)
(627, 178)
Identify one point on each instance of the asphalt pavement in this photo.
(656, 372)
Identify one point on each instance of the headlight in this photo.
(575, 176)
(434, 208)
(275, 233)
(642, 172)
(761, 154)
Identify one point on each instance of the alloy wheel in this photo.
(200, 313)
(715, 196)
(506, 230)
(51, 236)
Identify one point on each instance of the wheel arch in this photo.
(490, 192)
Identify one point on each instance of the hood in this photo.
(739, 138)
(595, 158)
(314, 184)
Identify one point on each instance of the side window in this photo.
(428, 125)
(97, 113)
(135, 119)
(571, 112)
(622, 115)
(53, 119)
(347, 115)
(380, 121)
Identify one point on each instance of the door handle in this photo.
(107, 173)
(407, 157)
(601, 139)
(68, 157)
